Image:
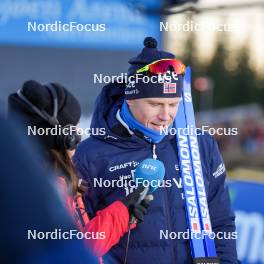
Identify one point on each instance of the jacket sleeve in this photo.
(221, 213)
(111, 222)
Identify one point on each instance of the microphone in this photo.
(149, 174)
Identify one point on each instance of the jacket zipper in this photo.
(154, 155)
(166, 200)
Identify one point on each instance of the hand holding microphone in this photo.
(136, 206)
(149, 173)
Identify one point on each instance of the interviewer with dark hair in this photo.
(53, 106)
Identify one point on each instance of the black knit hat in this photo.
(140, 89)
(148, 54)
(69, 110)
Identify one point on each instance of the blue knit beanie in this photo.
(168, 88)
(148, 54)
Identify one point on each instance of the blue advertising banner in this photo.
(112, 24)
(247, 199)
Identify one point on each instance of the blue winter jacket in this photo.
(113, 154)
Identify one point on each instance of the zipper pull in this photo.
(154, 155)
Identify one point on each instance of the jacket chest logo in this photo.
(125, 165)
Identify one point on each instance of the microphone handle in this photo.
(142, 196)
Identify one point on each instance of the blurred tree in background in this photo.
(232, 87)
(234, 82)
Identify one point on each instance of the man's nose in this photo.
(164, 114)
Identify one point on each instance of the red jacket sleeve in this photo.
(113, 222)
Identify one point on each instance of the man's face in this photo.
(154, 113)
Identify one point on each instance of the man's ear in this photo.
(129, 102)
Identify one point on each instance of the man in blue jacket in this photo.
(133, 117)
